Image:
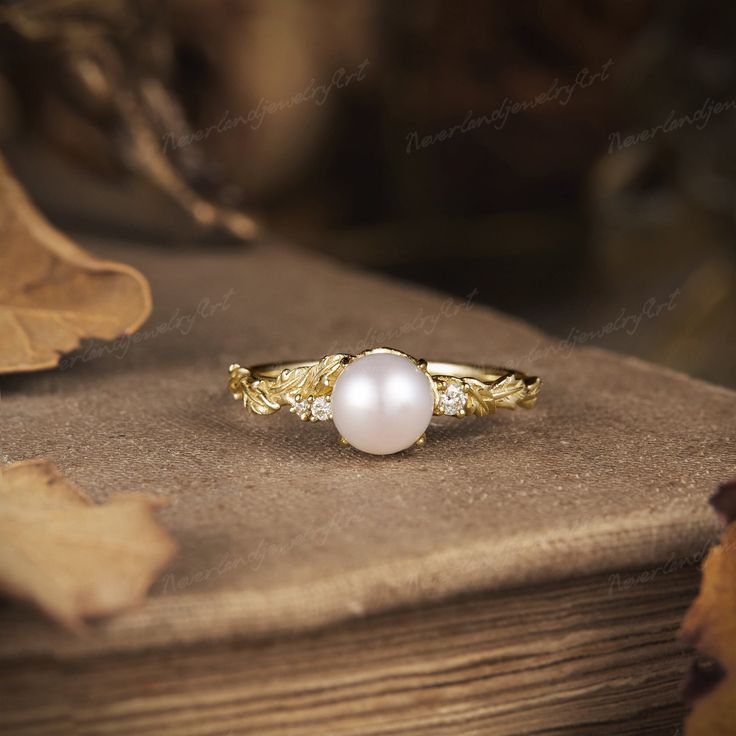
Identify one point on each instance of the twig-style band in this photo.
(380, 382)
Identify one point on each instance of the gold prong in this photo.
(343, 442)
(422, 364)
(421, 441)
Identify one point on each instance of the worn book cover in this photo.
(522, 573)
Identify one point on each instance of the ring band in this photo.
(381, 400)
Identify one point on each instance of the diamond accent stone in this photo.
(322, 408)
(301, 408)
(453, 399)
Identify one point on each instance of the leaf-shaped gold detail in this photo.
(266, 394)
(507, 392)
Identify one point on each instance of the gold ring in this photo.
(381, 400)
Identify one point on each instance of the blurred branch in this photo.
(91, 79)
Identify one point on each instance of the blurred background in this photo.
(573, 163)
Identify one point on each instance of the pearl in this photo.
(382, 403)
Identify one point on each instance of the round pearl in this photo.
(382, 403)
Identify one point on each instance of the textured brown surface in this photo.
(570, 658)
(610, 472)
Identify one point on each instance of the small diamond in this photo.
(452, 399)
(301, 408)
(322, 408)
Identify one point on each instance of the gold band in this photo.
(460, 389)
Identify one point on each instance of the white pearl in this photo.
(382, 403)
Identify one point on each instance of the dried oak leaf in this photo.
(71, 557)
(52, 293)
(710, 627)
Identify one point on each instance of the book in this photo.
(523, 573)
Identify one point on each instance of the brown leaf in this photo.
(724, 502)
(52, 293)
(70, 556)
(710, 626)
